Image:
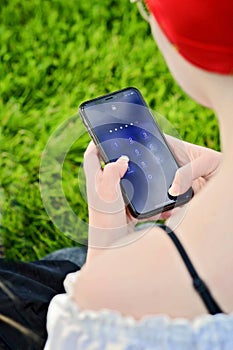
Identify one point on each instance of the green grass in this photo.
(54, 55)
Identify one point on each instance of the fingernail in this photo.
(174, 190)
(124, 158)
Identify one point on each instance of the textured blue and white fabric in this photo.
(72, 329)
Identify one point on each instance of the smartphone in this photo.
(120, 123)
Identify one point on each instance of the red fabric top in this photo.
(202, 30)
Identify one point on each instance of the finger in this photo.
(112, 173)
(91, 161)
(182, 181)
(161, 216)
(201, 167)
(116, 170)
(179, 149)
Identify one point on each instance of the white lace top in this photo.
(72, 329)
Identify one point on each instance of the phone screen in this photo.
(122, 124)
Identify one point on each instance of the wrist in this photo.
(106, 228)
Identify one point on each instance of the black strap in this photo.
(200, 286)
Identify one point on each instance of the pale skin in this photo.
(141, 273)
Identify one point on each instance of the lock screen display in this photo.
(123, 125)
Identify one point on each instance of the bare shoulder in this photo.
(143, 277)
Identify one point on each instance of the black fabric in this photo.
(199, 285)
(26, 290)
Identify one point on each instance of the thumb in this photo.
(202, 166)
(112, 173)
(182, 181)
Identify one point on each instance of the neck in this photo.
(221, 99)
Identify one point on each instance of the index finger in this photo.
(91, 159)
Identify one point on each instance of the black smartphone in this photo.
(121, 123)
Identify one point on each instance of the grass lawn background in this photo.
(54, 55)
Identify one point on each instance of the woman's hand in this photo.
(198, 165)
(107, 214)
